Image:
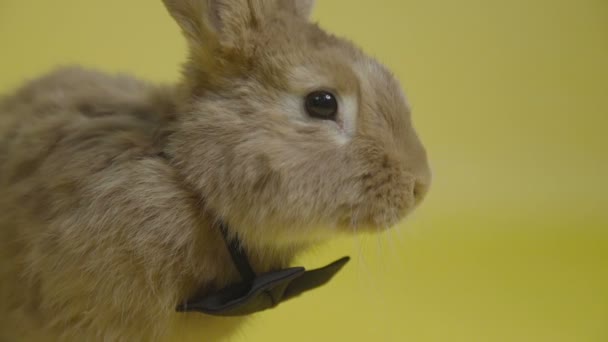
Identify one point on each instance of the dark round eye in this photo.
(322, 105)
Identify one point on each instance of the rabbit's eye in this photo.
(322, 105)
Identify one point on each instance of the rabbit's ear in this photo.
(191, 16)
(228, 21)
(205, 22)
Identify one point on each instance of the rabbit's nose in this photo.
(421, 171)
(420, 191)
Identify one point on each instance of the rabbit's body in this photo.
(126, 241)
(112, 188)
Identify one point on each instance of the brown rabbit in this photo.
(111, 188)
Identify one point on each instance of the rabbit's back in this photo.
(47, 107)
(89, 210)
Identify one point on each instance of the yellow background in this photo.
(511, 99)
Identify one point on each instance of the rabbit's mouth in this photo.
(386, 200)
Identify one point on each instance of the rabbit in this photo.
(112, 187)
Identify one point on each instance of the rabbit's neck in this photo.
(216, 267)
(261, 258)
(211, 251)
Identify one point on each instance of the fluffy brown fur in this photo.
(111, 187)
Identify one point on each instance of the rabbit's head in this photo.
(290, 133)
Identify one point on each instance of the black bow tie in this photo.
(259, 292)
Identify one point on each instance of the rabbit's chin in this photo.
(378, 226)
(368, 219)
(371, 227)
(376, 220)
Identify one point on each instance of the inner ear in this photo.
(226, 16)
(214, 15)
(301, 8)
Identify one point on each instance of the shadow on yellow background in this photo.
(511, 99)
